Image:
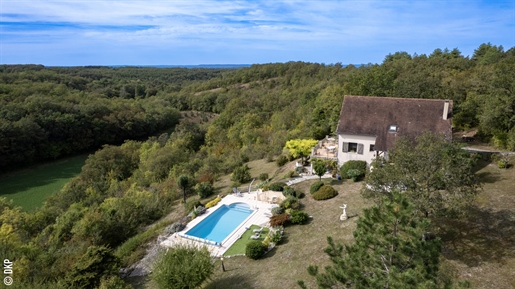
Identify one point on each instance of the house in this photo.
(369, 126)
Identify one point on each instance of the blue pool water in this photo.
(217, 226)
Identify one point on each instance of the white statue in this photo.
(343, 216)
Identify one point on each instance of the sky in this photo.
(176, 32)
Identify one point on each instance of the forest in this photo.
(132, 179)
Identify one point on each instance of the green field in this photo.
(29, 188)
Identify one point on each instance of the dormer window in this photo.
(392, 128)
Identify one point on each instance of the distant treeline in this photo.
(49, 112)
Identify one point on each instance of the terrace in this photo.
(326, 148)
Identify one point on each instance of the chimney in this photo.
(445, 109)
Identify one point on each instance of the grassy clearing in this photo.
(481, 247)
(239, 246)
(30, 187)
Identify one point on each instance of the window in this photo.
(392, 128)
(372, 148)
(352, 147)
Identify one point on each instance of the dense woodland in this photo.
(47, 113)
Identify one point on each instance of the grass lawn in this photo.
(238, 247)
(479, 247)
(28, 188)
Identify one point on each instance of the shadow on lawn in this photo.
(483, 236)
(228, 281)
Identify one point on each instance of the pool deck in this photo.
(260, 216)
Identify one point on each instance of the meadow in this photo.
(29, 187)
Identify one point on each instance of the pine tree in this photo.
(391, 251)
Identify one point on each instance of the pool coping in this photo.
(260, 217)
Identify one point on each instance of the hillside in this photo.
(237, 116)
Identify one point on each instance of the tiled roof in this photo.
(373, 116)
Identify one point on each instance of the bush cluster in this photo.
(315, 186)
(289, 191)
(241, 174)
(298, 217)
(204, 189)
(255, 249)
(278, 186)
(263, 177)
(360, 166)
(277, 210)
(279, 220)
(281, 160)
(174, 228)
(290, 202)
(276, 237)
(324, 193)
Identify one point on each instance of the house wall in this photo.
(347, 156)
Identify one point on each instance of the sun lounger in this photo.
(255, 237)
(236, 192)
(258, 230)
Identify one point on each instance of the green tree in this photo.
(435, 174)
(183, 268)
(96, 263)
(390, 251)
(184, 183)
(300, 148)
(241, 174)
(320, 167)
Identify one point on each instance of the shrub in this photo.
(263, 177)
(276, 237)
(289, 191)
(204, 189)
(277, 210)
(315, 186)
(502, 164)
(213, 202)
(298, 217)
(290, 202)
(255, 249)
(324, 193)
(241, 174)
(354, 174)
(278, 186)
(279, 220)
(174, 228)
(361, 166)
(281, 160)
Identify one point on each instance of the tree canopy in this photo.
(300, 148)
(390, 251)
(436, 175)
(183, 268)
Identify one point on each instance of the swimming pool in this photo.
(221, 223)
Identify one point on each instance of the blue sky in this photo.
(175, 32)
